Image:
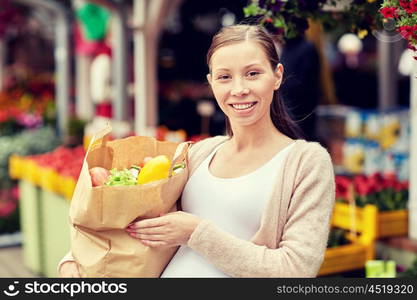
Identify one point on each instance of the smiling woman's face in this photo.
(243, 82)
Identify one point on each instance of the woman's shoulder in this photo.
(208, 144)
(306, 147)
(310, 152)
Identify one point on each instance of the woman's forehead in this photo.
(237, 53)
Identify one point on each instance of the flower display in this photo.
(290, 17)
(385, 191)
(404, 13)
(26, 104)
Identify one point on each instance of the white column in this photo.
(2, 62)
(62, 72)
(140, 84)
(148, 18)
(412, 204)
(84, 107)
(119, 46)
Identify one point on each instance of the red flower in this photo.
(362, 185)
(376, 181)
(389, 12)
(413, 6)
(401, 186)
(407, 31)
(390, 181)
(405, 4)
(409, 46)
(342, 186)
(4, 115)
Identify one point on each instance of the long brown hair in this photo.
(240, 33)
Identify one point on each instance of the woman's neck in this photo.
(254, 137)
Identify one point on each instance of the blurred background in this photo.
(68, 67)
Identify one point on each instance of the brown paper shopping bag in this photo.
(99, 215)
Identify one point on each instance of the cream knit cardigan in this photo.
(292, 238)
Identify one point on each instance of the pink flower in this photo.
(7, 208)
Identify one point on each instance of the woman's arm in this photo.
(301, 249)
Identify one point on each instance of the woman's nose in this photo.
(239, 90)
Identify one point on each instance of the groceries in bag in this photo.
(153, 169)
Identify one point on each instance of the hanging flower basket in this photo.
(404, 15)
(290, 17)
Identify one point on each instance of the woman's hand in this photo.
(69, 269)
(172, 229)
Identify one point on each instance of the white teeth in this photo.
(243, 106)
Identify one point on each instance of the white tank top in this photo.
(234, 204)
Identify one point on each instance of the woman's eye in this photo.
(252, 73)
(223, 77)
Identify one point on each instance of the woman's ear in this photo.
(209, 78)
(279, 72)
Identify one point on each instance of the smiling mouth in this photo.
(242, 106)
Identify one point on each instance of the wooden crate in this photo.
(389, 223)
(362, 224)
(392, 223)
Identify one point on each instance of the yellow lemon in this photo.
(155, 169)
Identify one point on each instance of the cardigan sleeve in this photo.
(301, 249)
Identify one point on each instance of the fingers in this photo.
(150, 237)
(154, 222)
(153, 244)
(152, 230)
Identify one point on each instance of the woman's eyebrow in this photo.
(252, 65)
(245, 67)
(221, 69)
